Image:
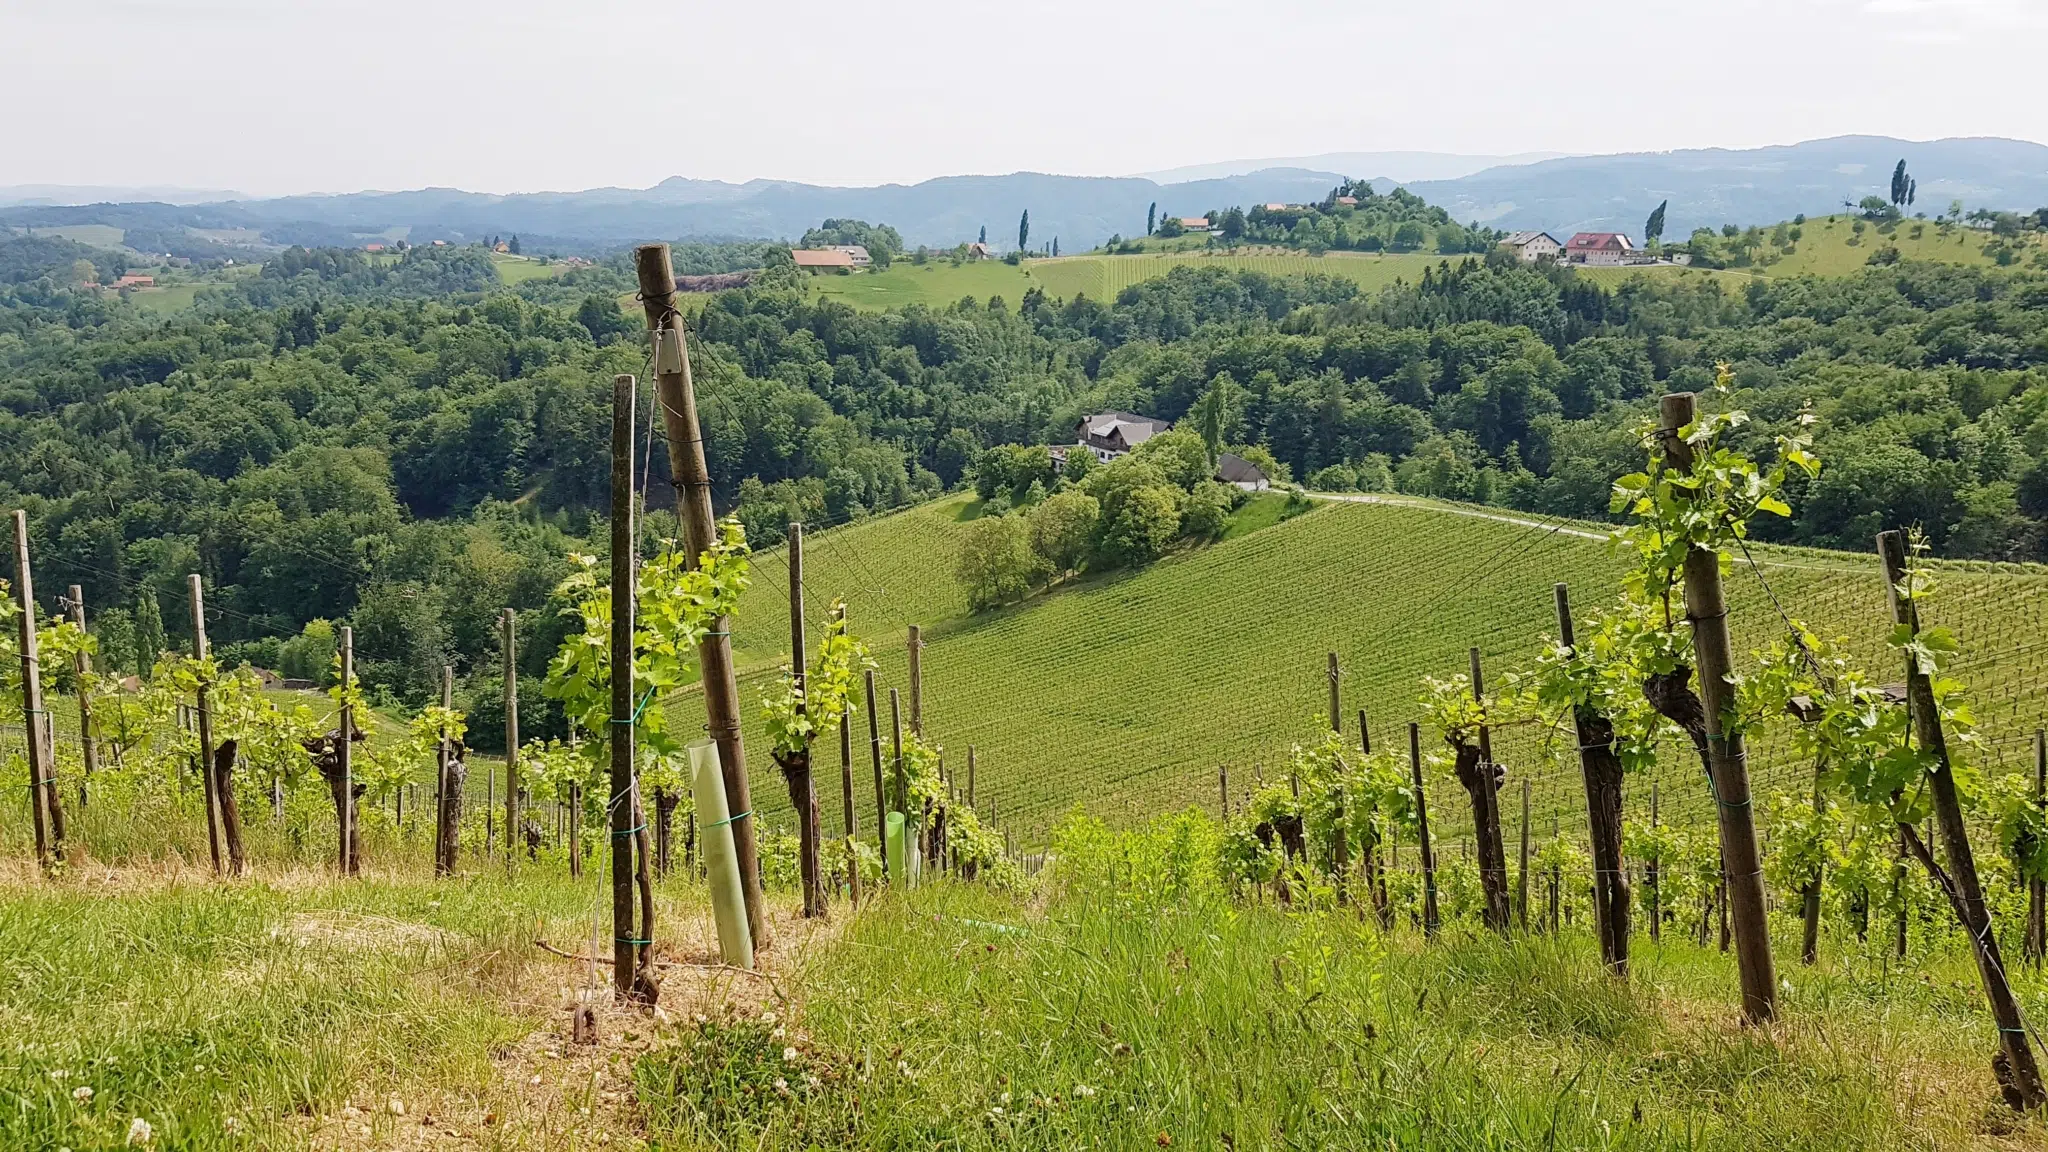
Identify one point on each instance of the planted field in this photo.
(516, 270)
(940, 284)
(1124, 694)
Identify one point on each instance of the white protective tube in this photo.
(721, 861)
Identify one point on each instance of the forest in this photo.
(409, 445)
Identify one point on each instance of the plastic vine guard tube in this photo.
(721, 861)
(897, 869)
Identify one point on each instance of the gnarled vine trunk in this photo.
(1482, 783)
(1603, 773)
(326, 755)
(230, 812)
(796, 772)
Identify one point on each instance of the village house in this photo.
(854, 252)
(1601, 248)
(1348, 201)
(1239, 472)
(822, 259)
(980, 251)
(1110, 435)
(1529, 247)
(135, 280)
(1195, 223)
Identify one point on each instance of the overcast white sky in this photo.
(274, 96)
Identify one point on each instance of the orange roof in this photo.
(814, 258)
(1194, 221)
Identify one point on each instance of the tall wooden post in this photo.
(803, 791)
(2037, 897)
(626, 943)
(881, 794)
(42, 787)
(1652, 877)
(1336, 691)
(1429, 914)
(1809, 940)
(1522, 878)
(2020, 1078)
(1707, 611)
(902, 778)
(677, 398)
(916, 651)
(88, 736)
(1601, 768)
(508, 626)
(445, 800)
(348, 858)
(846, 796)
(204, 716)
(1223, 789)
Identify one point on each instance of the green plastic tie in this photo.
(730, 819)
(629, 832)
(635, 717)
(630, 940)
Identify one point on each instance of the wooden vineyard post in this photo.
(508, 625)
(970, 775)
(203, 716)
(1485, 789)
(900, 789)
(447, 801)
(42, 785)
(796, 771)
(846, 795)
(1707, 610)
(881, 794)
(1223, 788)
(348, 857)
(1651, 877)
(2020, 1076)
(677, 399)
(1522, 877)
(2036, 937)
(627, 943)
(916, 658)
(1429, 916)
(2037, 898)
(1556, 884)
(88, 737)
(1340, 839)
(1375, 876)
(1809, 896)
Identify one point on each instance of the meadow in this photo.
(1123, 694)
(941, 283)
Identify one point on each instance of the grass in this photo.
(93, 235)
(1113, 1014)
(940, 284)
(517, 270)
(166, 300)
(1124, 692)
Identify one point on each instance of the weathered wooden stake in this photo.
(2018, 1075)
(846, 795)
(902, 778)
(626, 940)
(1651, 877)
(508, 626)
(1707, 611)
(881, 793)
(796, 771)
(88, 736)
(1522, 877)
(2037, 898)
(677, 397)
(1429, 914)
(348, 859)
(1484, 787)
(204, 716)
(1223, 789)
(1336, 707)
(447, 799)
(970, 775)
(1809, 896)
(42, 785)
(916, 653)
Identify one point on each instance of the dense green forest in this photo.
(1353, 217)
(407, 445)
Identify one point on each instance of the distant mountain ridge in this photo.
(1705, 187)
(1400, 166)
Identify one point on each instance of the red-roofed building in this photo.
(1600, 248)
(822, 260)
(134, 280)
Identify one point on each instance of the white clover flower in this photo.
(779, 1033)
(781, 1086)
(1083, 1091)
(789, 1055)
(903, 1067)
(232, 1125)
(395, 1106)
(81, 1093)
(59, 1074)
(139, 1132)
(768, 1017)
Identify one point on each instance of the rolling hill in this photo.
(1122, 694)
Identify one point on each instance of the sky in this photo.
(283, 96)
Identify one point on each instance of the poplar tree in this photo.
(1024, 231)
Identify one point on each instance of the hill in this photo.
(1123, 694)
(1709, 187)
(1706, 187)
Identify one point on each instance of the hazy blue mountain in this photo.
(1402, 167)
(1709, 187)
(96, 194)
(1706, 187)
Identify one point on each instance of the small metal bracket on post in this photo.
(668, 351)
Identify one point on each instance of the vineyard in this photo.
(1124, 695)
